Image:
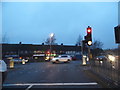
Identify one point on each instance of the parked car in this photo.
(61, 58)
(73, 57)
(3, 70)
(19, 60)
(48, 58)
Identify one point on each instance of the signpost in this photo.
(117, 41)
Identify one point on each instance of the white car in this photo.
(61, 58)
(3, 70)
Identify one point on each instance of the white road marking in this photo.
(29, 87)
(31, 84)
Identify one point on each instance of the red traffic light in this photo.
(89, 30)
(88, 37)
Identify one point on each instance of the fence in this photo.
(108, 71)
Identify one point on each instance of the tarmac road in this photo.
(48, 75)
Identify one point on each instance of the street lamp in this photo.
(51, 36)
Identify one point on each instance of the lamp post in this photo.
(51, 36)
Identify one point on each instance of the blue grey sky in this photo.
(32, 22)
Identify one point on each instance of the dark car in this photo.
(19, 60)
(74, 58)
(100, 58)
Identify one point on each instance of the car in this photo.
(73, 57)
(100, 58)
(16, 60)
(48, 58)
(3, 70)
(61, 58)
(19, 60)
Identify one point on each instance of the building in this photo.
(31, 51)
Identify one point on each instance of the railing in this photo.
(106, 71)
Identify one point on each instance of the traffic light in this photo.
(117, 34)
(88, 37)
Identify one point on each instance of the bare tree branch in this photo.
(97, 44)
(51, 40)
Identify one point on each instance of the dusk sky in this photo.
(32, 22)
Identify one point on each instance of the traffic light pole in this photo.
(88, 40)
(82, 48)
(118, 65)
(90, 56)
(117, 41)
(89, 52)
(82, 52)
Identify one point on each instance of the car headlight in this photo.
(111, 58)
(47, 58)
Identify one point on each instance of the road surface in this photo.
(48, 75)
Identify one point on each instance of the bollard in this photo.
(11, 63)
(84, 61)
(90, 56)
(23, 61)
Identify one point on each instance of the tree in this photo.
(79, 40)
(4, 38)
(51, 40)
(97, 44)
(96, 48)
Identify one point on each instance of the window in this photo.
(26, 51)
(64, 56)
(21, 52)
